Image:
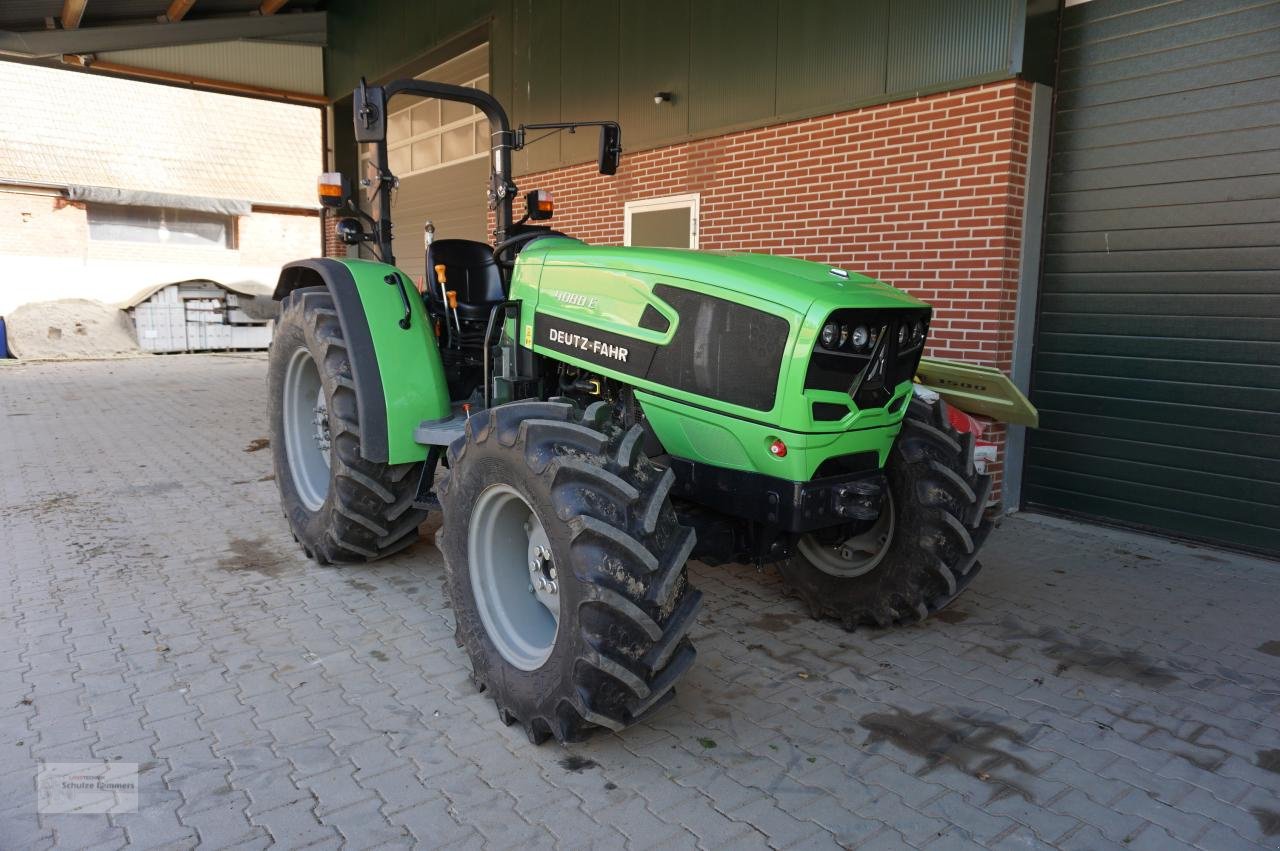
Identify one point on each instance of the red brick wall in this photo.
(333, 247)
(925, 194)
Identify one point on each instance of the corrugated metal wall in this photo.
(277, 65)
(1157, 369)
(728, 64)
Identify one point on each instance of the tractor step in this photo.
(442, 432)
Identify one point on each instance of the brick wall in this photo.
(46, 252)
(333, 246)
(925, 194)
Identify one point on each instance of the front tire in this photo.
(535, 494)
(922, 552)
(340, 506)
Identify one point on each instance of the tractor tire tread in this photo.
(625, 548)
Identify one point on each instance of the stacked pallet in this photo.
(200, 316)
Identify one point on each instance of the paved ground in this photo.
(1092, 689)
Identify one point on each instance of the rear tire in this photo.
(929, 552)
(340, 506)
(623, 606)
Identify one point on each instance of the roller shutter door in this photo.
(1157, 365)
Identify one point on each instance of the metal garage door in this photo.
(1157, 369)
(439, 150)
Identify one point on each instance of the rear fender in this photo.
(979, 390)
(398, 376)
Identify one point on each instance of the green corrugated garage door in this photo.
(1157, 368)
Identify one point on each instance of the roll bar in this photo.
(371, 110)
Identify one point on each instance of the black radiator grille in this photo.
(721, 350)
(868, 372)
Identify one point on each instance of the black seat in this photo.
(470, 270)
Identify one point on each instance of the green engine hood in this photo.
(785, 281)
(722, 392)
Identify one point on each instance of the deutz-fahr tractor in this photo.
(587, 419)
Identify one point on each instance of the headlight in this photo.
(844, 335)
(861, 336)
(918, 333)
(830, 335)
(902, 334)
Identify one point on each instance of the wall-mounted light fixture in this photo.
(662, 97)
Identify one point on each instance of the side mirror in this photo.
(334, 189)
(349, 230)
(610, 148)
(539, 205)
(369, 106)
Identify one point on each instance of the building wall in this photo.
(727, 64)
(925, 194)
(46, 253)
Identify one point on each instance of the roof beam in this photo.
(270, 7)
(177, 11)
(72, 12)
(301, 27)
(205, 83)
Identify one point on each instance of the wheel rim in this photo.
(306, 429)
(856, 555)
(513, 577)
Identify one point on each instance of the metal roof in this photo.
(96, 131)
(35, 29)
(32, 14)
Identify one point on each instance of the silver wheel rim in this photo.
(306, 429)
(856, 555)
(513, 577)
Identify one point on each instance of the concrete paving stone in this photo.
(85, 831)
(1153, 838)
(21, 828)
(431, 822)
(268, 697)
(224, 825)
(334, 789)
(1113, 820)
(849, 828)
(294, 825)
(363, 825)
(971, 821)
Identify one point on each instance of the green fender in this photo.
(398, 376)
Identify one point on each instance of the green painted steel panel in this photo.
(536, 68)
(653, 57)
(413, 382)
(1157, 367)
(832, 52)
(733, 63)
(729, 64)
(931, 41)
(588, 73)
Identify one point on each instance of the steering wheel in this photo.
(516, 241)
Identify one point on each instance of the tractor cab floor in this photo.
(1092, 689)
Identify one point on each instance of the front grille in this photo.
(870, 372)
(721, 350)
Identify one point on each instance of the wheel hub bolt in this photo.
(846, 553)
(551, 588)
(534, 564)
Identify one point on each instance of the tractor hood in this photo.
(785, 281)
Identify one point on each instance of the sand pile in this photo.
(69, 328)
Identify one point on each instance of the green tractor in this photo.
(588, 419)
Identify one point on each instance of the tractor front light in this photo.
(861, 336)
(830, 335)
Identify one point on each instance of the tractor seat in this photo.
(470, 270)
